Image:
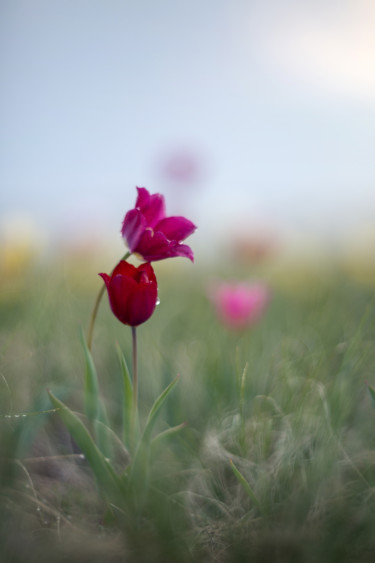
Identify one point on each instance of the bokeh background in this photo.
(256, 120)
(249, 115)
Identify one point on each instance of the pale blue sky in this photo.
(276, 98)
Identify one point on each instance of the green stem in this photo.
(135, 385)
(90, 332)
(93, 317)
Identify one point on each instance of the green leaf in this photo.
(101, 438)
(93, 406)
(153, 414)
(242, 388)
(118, 453)
(139, 465)
(106, 477)
(92, 403)
(167, 433)
(245, 485)
(127, 403)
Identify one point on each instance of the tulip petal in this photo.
(152, 207)
(149, 233)
(155, 246)
(132, 292)
(142, 303)
(132, 228)
(176, 228)
(143, 198)
(123, 268)
(145, 272)
(106, 279)
(120, 294)
(182, 250)
(152, 244)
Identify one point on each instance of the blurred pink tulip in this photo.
(240, 305)
(182, 167)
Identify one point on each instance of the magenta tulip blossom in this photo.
(148, 232)
(239, 305)
(132, 292)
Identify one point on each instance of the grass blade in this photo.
(153, 414)
(166, 433)
(371, 391)
(93, 406)
(119, 455)
(127, 403)
(139, 465)
(91, 402)
(106, 477)
(245, 485)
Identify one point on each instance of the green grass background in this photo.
(286, 401)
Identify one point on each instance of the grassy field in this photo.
(277, 458)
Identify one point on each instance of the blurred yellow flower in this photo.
(21, 243)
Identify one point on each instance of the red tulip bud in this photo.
(132, 292)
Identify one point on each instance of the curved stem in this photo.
(90, 332)
(93, 316)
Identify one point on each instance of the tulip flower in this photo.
(148, 232)
(239, 305)
(132, 292)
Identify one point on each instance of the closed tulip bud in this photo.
(132, 292)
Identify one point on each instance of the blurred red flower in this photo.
(132, 292)
(148, 232)
(239, 305)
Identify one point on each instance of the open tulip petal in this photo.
(182, 250)
(132, 228)
(151, 206)
(143, 198)
(176, 228)
(155, 246)
(152, 244)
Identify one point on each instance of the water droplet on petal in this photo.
(158, 301)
